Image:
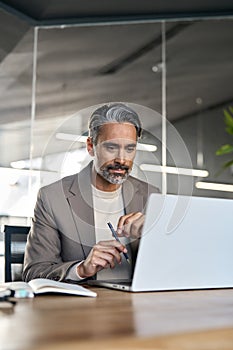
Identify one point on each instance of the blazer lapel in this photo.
(80, 201)
(133, 201)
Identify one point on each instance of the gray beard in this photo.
(112, 178)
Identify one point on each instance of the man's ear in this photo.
(90, 146)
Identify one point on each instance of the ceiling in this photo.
(59, 11)
(83, 65)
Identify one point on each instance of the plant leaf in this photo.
(225, 149)
(231, 109)
(229, 130)
(228, 118)
(228, 164)
(224, 167)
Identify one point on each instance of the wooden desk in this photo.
(159, 320)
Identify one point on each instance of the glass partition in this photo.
(80, 68)
(15, 133)
(199, 77)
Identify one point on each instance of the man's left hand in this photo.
(130, 225)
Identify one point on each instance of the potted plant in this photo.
(227, 148)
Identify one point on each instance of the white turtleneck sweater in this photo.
(108, 207)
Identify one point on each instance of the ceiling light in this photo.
(157, 67)
(214, 186)
(199, 101)
(19, 164)
(174, 170)
(146, 147)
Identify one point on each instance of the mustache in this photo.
(117, 167)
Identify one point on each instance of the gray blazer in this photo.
(63, 231)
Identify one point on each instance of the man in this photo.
(70, 239)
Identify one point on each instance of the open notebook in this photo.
(186, 244)
(44, 286)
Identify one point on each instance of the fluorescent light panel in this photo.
(146, 147)
(174, 170)
(7, 171)
(19, 164)
(214, 186)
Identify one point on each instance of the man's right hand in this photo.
(104, 255)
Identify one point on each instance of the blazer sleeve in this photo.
(43, 249)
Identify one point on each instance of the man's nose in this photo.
(120, 156)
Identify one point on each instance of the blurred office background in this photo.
(172, 61)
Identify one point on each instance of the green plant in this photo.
(227, 148)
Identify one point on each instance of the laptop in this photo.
(186, 243)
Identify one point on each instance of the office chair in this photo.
(15, 238)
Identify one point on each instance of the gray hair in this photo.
(112, 113)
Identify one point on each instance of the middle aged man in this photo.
(69, 238)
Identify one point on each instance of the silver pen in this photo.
(117, 239)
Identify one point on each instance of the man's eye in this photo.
(111, 148)
(130, 149)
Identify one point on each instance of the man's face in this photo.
(115, 151)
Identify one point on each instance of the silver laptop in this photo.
(187, 243)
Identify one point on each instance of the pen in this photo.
(117, 238)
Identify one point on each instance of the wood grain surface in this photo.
(201, 319)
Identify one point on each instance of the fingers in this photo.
(131, 225)
(104, 254)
